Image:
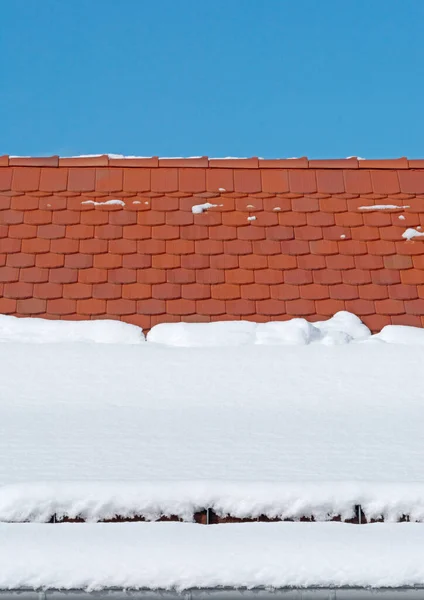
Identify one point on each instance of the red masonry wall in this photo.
(288, 238)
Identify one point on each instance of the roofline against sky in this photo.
(114, 160)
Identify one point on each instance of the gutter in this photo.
(312, 593)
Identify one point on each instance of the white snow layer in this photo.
(181, 556)
(281, 425)
(151, 413)
(43, 331)
(342, 328)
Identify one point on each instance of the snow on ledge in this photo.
(182, 556)
(98, 501)
(343, 328)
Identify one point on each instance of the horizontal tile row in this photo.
(67, 283)
(369, 209)
(108, 242)
(105, 160)
(215, 180)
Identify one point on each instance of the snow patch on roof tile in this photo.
(382, 207)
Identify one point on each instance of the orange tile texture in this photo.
(287, 238)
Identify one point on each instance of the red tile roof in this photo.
(311, 249)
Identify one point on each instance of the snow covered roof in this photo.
(216, 424)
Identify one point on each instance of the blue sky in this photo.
(271, 78)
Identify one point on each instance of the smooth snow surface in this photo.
(340, 329)
(256, 413)
(182, 556)
(44, 331)
(221, 333)
(401, 334)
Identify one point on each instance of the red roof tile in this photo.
(309, 251)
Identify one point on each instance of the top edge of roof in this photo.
(101, 160)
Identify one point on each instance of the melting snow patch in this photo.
(411, 233)
(382, 207)
(401, 217)
(107, 202)
(253, 218)
(199, 208)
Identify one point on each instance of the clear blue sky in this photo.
(271, 78)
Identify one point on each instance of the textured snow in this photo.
(410, 233)
(342, 328)
(100, 500)
(43, 331)
(182, 556)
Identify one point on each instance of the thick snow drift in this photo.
(343, 328)
(182, 556)
(43, 331)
